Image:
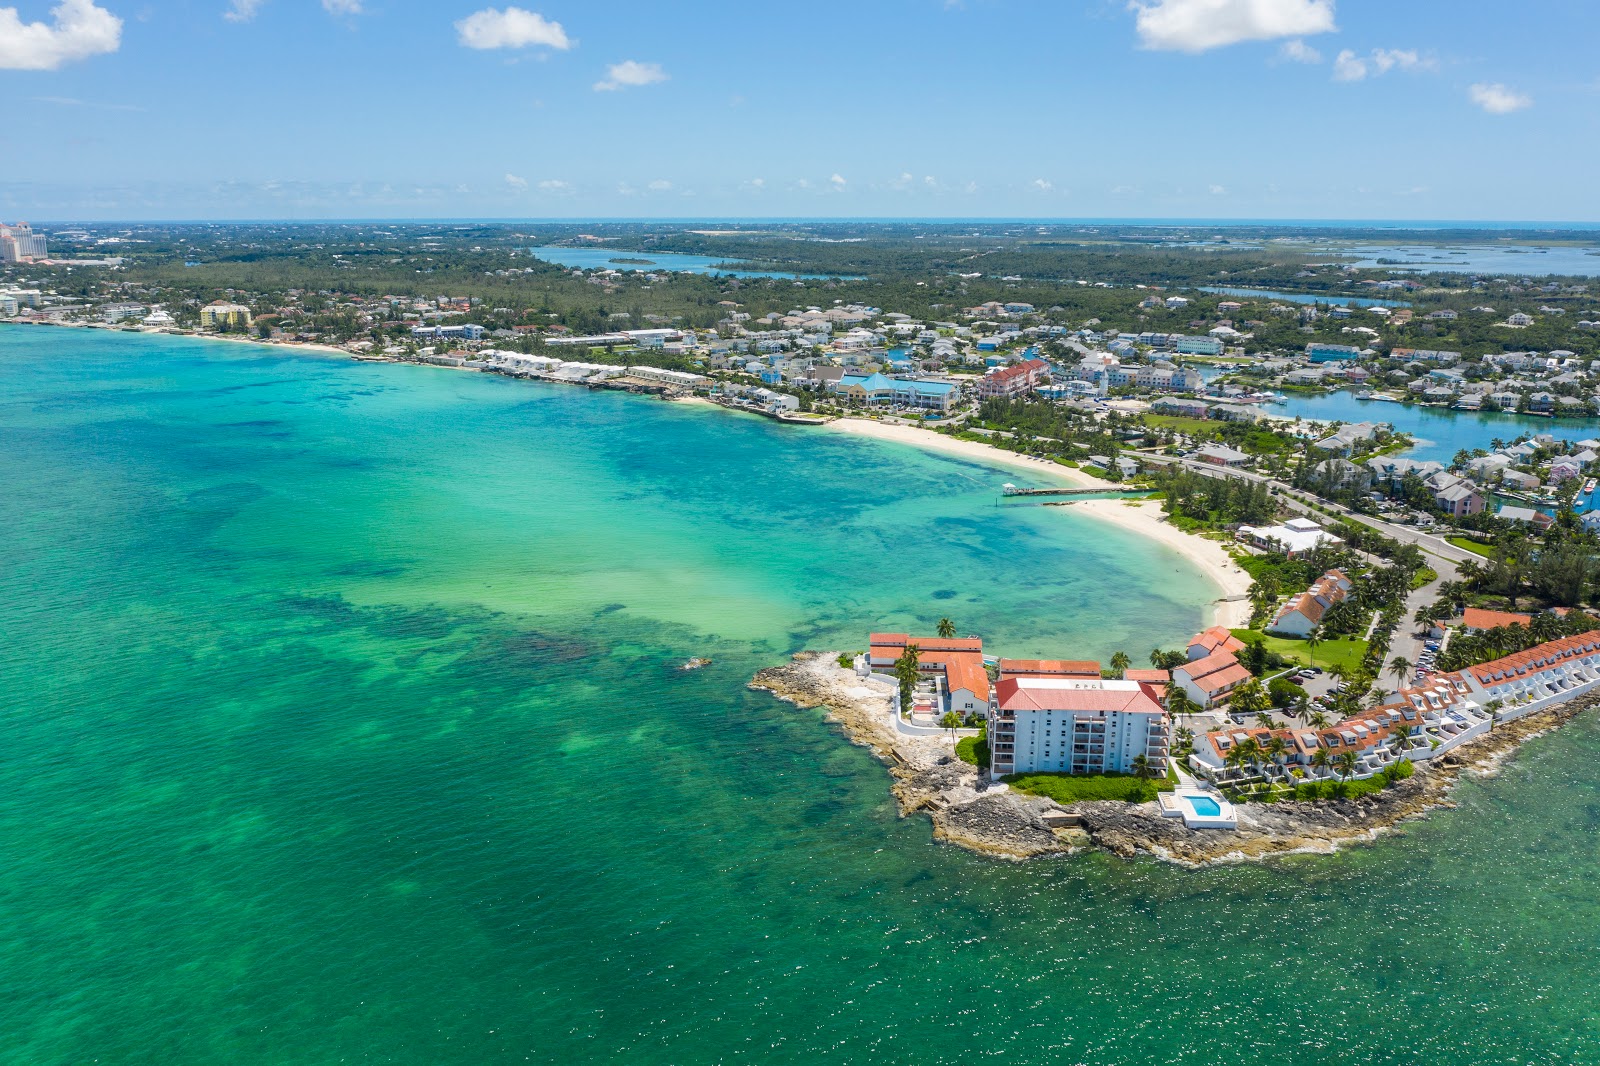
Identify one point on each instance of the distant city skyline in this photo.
(1245, 110)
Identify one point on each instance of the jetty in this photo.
(1013, 490)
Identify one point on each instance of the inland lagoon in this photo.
(341, 720)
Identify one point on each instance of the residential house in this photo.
(1304, 612)
(1209, 681)
(1222, 455)
(1294, 537)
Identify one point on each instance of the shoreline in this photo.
(993, 820)
(1144, 517)
(1231, 609)
(1207, 556)
(988, 454)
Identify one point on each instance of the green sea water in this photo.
(340, 722)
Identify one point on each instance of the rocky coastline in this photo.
(993, 820)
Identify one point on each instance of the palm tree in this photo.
(1378, 698)
(1157, 658)
(1178, 702)
(1142, 768)
(1321, 759)
(907, 670)
(1318, 720)
(1312, 640)
(1400, 667)
(1264, 720)
(1277, 748)
(1120, 662)
(947, 629)
(1346, 763)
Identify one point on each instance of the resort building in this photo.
(1213, 640)
(1294, 537)
(1075, 726)
(1010, 381)
(955, 664)
(1209, 681)
(1057, 668)
(1304, 612)
(905, 392)
(221, 312)
(1539, 676)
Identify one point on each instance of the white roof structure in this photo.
(1296, 535)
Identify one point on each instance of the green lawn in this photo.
(1074, 788)
(974, 750)
(1194, 427)
(1345, 653)
(1473, 546)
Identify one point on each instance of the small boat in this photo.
(695, 664)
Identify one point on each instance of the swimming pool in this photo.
(1204, 805)
(1203, 810)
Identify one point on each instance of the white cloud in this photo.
(660, 186)
(1497, 99)
(1042, 185)
(630, 74)
(1347, 67)
(838, 181)
(1218, 190)
(511, 28)
(1200, 25)
(554, 185)
(515, 183)
(242, 10)
(758, 183)
(343, 7)
(1387, 59)
(1297, 51)
(79, 30)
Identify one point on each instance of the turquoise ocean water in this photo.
(339, 722)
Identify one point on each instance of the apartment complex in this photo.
(1304, 612)
(1040, 723)
(223, 313)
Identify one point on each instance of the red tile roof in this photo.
(1217, 638)
(1217, 660)
(1478, 618)
(1049, 668)
(1040, 694)
(1536, 660)
(1218, 680)
(1156, 676)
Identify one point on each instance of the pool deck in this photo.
(1181, 804)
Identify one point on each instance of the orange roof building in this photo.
(1476, 619)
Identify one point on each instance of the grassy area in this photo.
(1346, 653)
(1194, 427)
(974, 750)
(1473, 546)
(1075, 788)
(1426, 575)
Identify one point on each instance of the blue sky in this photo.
(1426, 109)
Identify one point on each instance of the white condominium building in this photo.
(1075, 725)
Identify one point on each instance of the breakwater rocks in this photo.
(996, 821)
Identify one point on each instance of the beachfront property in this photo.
(1213, 640)
(1011, 381)
(1303, 613)
(1210, 680)
(222, 313)
(1424, 722)
(953, 665)
(1075, 725)
(1294, 537)
(879, 388)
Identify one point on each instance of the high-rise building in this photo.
(19, 243)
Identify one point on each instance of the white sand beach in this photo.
(1145, 518)
(966, 449)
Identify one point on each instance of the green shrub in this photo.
(974, 750)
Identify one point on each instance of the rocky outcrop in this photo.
(996, 821)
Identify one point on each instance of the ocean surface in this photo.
(340, 722)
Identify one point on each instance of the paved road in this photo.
(1408, 641)
(1435, 546)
